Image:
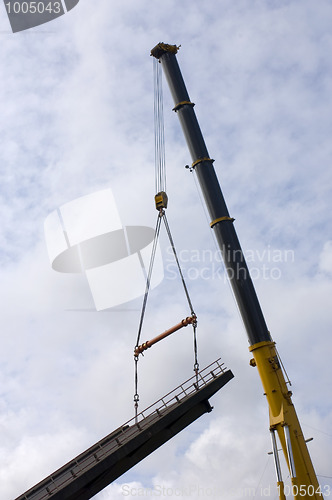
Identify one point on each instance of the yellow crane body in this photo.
(284, 421)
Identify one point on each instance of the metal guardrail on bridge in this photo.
(69, 481)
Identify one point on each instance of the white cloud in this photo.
(325, 258)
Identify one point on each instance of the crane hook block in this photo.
(161, 200)
(149, 343)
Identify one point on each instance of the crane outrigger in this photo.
(283, 418)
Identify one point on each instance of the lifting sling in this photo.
(161, 201)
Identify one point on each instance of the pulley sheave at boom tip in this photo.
(283, 418)
(161, 48)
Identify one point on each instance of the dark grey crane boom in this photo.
(221, 221)
(283, 418)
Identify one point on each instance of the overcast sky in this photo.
(76, 105)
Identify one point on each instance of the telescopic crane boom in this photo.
(283, 418)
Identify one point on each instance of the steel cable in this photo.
(145, 299)
(160, 185)
(159, 130)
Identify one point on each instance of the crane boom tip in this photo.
(161, 48)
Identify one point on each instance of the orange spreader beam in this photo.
(185, 322)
